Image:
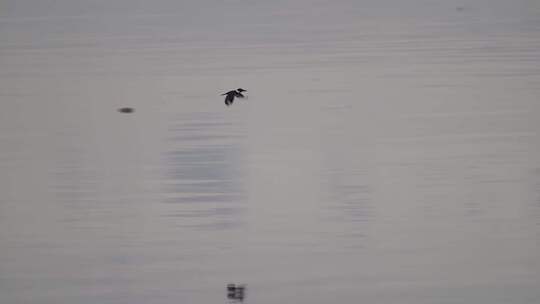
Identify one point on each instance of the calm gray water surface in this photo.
(388, 151)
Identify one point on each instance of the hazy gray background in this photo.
(388, 151)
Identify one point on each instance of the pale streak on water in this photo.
(388, 152)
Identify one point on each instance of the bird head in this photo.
(241, 90)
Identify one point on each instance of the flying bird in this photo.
(229, 96)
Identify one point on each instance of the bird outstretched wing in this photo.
(229, 99)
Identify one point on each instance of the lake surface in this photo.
(389, 151)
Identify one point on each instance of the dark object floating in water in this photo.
(126, 110)
(229, 98)
(236, 292)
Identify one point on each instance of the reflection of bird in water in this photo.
(229, 98)
(236, 293)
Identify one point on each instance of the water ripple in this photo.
(204, 172)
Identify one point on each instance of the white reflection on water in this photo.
(205, 172)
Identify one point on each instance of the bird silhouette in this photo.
(229, 96)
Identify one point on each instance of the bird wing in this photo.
(230, 92)
(229, 99)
